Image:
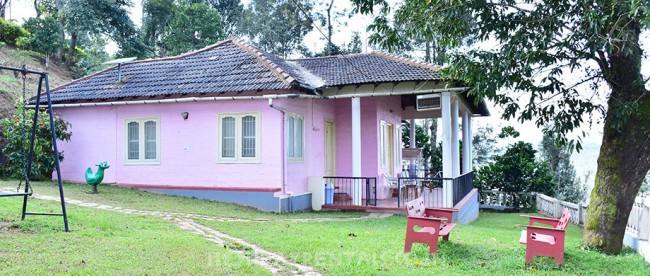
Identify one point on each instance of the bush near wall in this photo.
(17, 131)
(10, 32)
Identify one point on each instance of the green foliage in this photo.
(422, 141)
(10, 33)
(156, 16)
(516, 171)
(17, 131)
(278, 26)
(484, 144)
(194, 26)
(44, 35)
(558, 157)
(90, 55)
(232, 14)
(392, 30)
(107, 17)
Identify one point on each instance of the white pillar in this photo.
(471, 147)
(467, 143)
(356, 150)
(412, 145)
(455, 158)
(445, 102)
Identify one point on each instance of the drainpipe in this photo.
(282, 146)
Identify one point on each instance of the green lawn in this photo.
(132, 198)
(106, 243)
(488, 246)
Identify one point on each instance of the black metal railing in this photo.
(462, 186)
(343, 190)
(410, 188)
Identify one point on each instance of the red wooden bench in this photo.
(432, 223)
(542, 241)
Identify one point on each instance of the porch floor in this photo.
(432, 199)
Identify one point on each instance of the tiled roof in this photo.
(368, 68)
(233, 66)
(223, 67)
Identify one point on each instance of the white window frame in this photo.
(238, 137)
(295, 144)
(383, 144)
(141, 141)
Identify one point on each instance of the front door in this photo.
(330, 149)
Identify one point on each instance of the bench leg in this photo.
(433, 247)
(407, 246)
(559, 260)
(446, 237)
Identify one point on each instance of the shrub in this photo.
(17, 132)
(517, 171)
(10, 32)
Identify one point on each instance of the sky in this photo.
(585, 161)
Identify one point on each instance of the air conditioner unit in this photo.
(428, 102)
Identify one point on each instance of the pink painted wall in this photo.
(315, 112)
(93, 140)
(98, 134)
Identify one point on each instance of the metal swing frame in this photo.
(43, 77)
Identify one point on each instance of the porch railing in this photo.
(431, 189)
(410, 188)
(462, 186)
(344, 190)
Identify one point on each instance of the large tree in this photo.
(194, 26)
(156, 16)
(232, 15)
(108, 17)
(557, 54)
(278, 26)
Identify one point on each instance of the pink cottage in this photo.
(232, 123)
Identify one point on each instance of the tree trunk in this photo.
(624, 158)
(58, 56)
(38, 11)
(73, 45)
(329, 28)
(623, 162)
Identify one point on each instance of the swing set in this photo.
(26, 171)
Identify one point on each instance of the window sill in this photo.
(239, 162)
(141, 163)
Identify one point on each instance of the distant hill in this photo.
(11, 85)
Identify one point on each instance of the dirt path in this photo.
(273, 262)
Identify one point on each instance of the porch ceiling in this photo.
(477, 108)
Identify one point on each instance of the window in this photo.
(295, 137)
(142, 140)
(239, 137)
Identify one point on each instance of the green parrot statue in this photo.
(93, 179)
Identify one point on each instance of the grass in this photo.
(106, 243)
(136, 199)
(488, 246)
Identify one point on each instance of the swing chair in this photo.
(27, 164)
